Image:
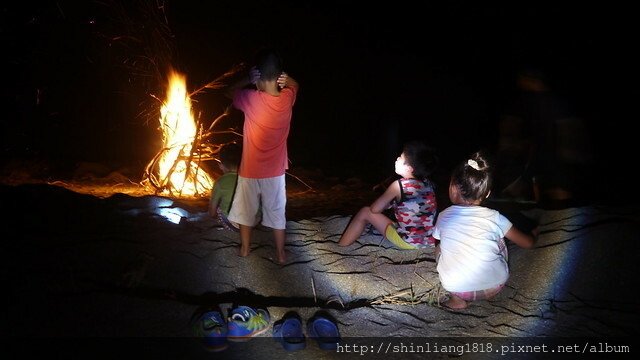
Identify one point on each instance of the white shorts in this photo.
(253, 195)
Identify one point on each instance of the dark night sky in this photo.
(80, 76)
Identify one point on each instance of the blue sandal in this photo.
(324, 331)
(212, 329)
(289, 334)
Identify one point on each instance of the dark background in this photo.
(83, 78)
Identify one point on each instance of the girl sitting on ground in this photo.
(472, 255)
(413, 200)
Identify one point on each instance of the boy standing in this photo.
(267, 109)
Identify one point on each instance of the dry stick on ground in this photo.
(398, 299)
(435, 293)
(313, 287)
(420, 276)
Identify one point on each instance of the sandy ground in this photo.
(82, 269)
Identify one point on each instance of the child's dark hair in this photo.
(269, 62)
(421, 157)
(473, 178)
(230, 155)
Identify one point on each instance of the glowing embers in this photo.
(176, 168)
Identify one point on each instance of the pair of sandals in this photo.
(289, 332)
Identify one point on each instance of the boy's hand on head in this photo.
(254, 75)
(282, 80)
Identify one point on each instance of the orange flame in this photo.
(178, 167)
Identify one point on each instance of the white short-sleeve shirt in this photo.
(470, 257)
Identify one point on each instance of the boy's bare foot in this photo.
(244, 252)
(455, 303)
(281, 257)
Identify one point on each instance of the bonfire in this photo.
(177, 169)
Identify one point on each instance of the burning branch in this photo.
(221, 81)
(176, 170)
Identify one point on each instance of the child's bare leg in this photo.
(280, 235)
(380, 222)
(455, 302)
(245, 240)
(359, 221)
(355, 227)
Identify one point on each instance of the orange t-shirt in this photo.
(267, 120)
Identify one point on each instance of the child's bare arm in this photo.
(521, 238)
(382, 202)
